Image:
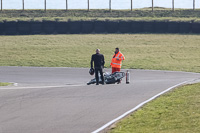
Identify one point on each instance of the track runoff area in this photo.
(59, 99)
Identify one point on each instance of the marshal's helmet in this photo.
(91, 72)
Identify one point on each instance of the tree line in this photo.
(88, 3)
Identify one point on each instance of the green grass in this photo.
(160, 14)
(175, 112)
(142, 51)
(4, 84)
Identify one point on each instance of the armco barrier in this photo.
(87, 26)
(1, 28)
(10, 28)
(62, 27)
(36, 27)
(75, 27)
(24, 27)
(112, 26)
(137, 27)
(161, 27)
(99, 27)
(124, 26)
(185, 27)
(173, 27)
(148, 27)
(49, 27)
(195, 27)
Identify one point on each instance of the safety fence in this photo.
(95, 27)
(97, 4)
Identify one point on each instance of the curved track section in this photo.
(58, 99)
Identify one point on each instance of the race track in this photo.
(57, 100)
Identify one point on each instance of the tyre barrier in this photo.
(112, 26)
(161, 27)
(1, 28)
(185, 27)
(195, 27)
(124, 26)
(62, 27)
(36, 27)
(136, 27)
(10, 28)
(49, 27)
(99, 27)
(148, 27)
(87, 27)
(75, 27)
(24, 27)
(173, 27)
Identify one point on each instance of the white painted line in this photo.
(137, 107)
(36, 87)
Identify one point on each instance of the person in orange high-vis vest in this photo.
(116, 62)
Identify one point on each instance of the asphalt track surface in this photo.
(57, 100)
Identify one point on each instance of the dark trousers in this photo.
(97, 71)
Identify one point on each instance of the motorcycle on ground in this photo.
(109, 78)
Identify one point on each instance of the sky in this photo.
(96, 4)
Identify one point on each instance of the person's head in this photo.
(116, 50)
(97, 51)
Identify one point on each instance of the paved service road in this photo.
(57, 100)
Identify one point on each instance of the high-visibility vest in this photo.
(117, 60)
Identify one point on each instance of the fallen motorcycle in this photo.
(109, 78)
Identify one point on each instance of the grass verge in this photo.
(145, 14)
(4, 84)
(174, 112)
(142, 51)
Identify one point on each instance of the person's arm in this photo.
(103, 61)
(121, 57)
(92, 59)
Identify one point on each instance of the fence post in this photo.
(45, 5)
(193, 4)
(152, 6)
(110, 5)
(23, 4)
(172, 5)
(131, 5)
(66, 5)
(1, 5)
(88, 5)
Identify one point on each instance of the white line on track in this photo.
(138, 106)
(15, 87)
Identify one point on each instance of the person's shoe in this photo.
(119, 82)
(103, 83)
(97, 83)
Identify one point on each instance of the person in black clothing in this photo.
(99, 62)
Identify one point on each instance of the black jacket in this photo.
(98, 60)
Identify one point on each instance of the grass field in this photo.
(175, 112)
(142, 51)
(160, 14)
